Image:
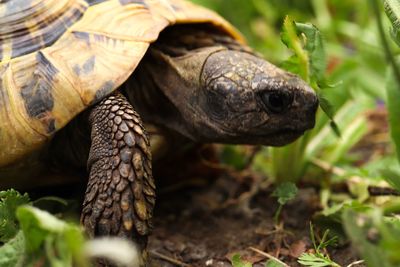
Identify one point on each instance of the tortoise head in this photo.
(236, 97)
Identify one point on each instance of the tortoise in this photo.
(103, 67)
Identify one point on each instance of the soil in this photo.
(205, 221)
(207, 225)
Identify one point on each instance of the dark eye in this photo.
(277, 101)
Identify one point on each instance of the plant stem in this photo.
(277, 213)
(388, 52)
(269, 256)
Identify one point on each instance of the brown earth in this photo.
(206, 225)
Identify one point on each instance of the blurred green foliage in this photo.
(260, 21)
(362, 70)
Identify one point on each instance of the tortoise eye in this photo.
(276, 101)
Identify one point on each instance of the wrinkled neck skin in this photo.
(159, 83)
(207, 87)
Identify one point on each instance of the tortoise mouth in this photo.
(278, 138)
(281, 137)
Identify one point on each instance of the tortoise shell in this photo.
(57, 57)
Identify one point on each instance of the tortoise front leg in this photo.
(120, 194)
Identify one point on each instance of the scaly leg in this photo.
(120, 195)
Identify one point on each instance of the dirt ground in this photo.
(205, 225)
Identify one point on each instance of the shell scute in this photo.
(57, 57)
(37, 94)
(127, 2)
(31, 25)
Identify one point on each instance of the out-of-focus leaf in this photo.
(393, 105)
(350, 136)
(9, 202)
(284, 192)
(339, 208)
(46, 236)
(234, 156)
(12, 252)
(364, 232)
(238, 262)
(273, 263)
(392, 177)
(38, 225)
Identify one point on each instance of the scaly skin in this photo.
(120, 194)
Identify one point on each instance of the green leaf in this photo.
(10, 200)
(291, 64)
(12, 252)
(273, 263)
(309, 60)
(315, 260)
(238, 262)
(392, 9)
(393, 105)
(314, 47)
(37, 225)
(340, 207)
(58, 242)
(360, 228)
(392, 177)
(289, 37)
(284, 192)
(327, 108)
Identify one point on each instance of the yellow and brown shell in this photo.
(58, 57)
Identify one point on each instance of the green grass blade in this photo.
(393, 105)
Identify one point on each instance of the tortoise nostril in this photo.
(312, 103)
(316, 103)
(277, 101)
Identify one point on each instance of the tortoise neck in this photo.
(149, 100)
(165, 86)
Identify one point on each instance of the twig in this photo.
(171, 260)
(268, 256)
(382, 191)
(328, 167)
(354, 263)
